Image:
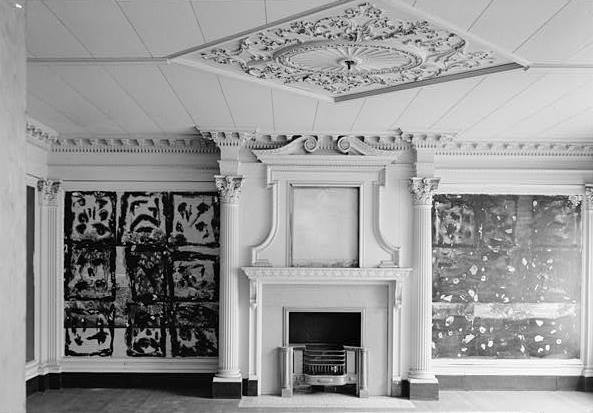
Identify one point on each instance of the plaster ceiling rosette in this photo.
(351, 49)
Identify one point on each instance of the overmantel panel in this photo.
(373, 249)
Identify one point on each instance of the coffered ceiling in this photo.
(103, 67)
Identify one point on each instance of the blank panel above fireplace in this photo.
(324, 327)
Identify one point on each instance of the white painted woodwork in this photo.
(229, 188)
(51, 275)
(422, 190)
(587, 285)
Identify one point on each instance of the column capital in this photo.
(229, 187)
(49, 189)
(588, 196)
(422, 189)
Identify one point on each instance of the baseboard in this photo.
(196, 383)
(249, 387)
(491, 382)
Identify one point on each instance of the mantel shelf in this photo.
(324, 275)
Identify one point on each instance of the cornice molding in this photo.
(387, 144)
(40, 135)
(180, 144)
(516, 148)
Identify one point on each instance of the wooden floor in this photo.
(149, 401)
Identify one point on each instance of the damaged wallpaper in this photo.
(506, 276)
(141, 274)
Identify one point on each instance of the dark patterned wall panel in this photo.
(194, 330)
(513, 290)
(151, 290)
(90, 216)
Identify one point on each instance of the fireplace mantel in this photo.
(392, 277)
(307, 275)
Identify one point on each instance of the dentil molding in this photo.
(348, 50)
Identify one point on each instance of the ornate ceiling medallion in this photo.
(353, 49)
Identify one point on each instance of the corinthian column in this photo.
(227, 382)
(423, 383)
(50, 263)
(587, 214)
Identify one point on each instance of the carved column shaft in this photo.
(229, 188)
(50, 256)
(422, 190)
(587, 212)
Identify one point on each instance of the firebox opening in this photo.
(336, 328)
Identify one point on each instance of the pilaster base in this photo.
(249, 387)
(588, 384)
(424, 389)
(227, 388)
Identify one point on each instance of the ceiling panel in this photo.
(44, 83)
(577, 128)
(521, 18)
(564, 35)
(575, 101)
(378, 112)
(278, 9)
(149, 88)
(461, 13)
(223, 18)
(47, 37)
(105, 93)
(166, 26)
(495, 90)
(336, 116)
(293, 112)
(100, 25)
(46, 114)
(541, 93)
(433, 102)
(201, 94)
(250, 104)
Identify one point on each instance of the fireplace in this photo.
(287, 306)
(324, 352)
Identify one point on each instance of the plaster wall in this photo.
(12, 205)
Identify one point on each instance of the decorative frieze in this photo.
(229, 187)
(326, 274)
(422, 189)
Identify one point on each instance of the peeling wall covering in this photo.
(141, 274)
(506, 276)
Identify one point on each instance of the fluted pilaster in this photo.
(422, 190)
(587, 215)
(229, 189)
(50, 256)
